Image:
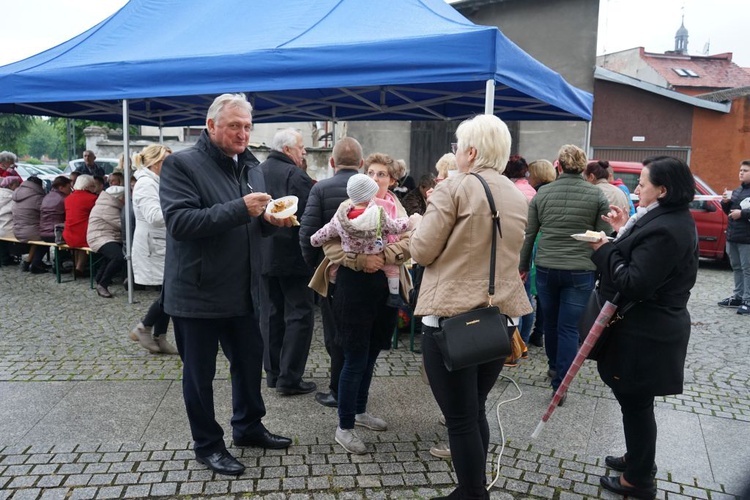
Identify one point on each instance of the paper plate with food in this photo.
(284, 207)
(590, 236)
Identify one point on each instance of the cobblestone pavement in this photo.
(62, 344)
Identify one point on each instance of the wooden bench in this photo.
(57, 248)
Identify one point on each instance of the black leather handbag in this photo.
(480, 335)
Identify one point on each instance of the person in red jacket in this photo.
(77, 210)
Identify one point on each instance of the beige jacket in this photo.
(104, 222)
(394, 253)
(453, 243)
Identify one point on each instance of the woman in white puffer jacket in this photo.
(149, 246)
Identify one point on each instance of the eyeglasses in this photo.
(379, 175)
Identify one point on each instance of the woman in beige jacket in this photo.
(453, 243)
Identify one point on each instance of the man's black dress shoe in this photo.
(612, 483)
(264, 439)
(327, 399)
(618, 464)
(222, 462)
(301, 388)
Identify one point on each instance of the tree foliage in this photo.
(12, 129)
(42, 139)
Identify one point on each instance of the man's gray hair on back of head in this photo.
(285, 137)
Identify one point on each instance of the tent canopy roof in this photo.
(297, 61)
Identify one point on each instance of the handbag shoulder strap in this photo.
(495, 224)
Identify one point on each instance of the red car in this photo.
(710, 219)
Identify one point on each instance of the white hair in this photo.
(85, 182)
(285, 137)
(227, 101)
(490, 136)
(8, 157)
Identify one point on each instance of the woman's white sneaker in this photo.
(367, 420)
(349, 440)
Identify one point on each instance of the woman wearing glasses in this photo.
(364, 322)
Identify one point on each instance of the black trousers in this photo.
(335, 352)
(287, 327)
(461, 396)
(157, 318)
(198, 342)
(639, 424)
(115, 260)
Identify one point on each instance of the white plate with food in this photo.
(590, 236)
(284, 207)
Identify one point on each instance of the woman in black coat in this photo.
(653, 262)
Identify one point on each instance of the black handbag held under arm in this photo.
(480, 335)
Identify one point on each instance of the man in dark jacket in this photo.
(287, 317)
(90, 166)
(212, 217)
(325, 198)
(736, 205)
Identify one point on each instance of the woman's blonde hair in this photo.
(490, 136)
(151, 155)
(542, 171)
(394, 169)
(572, 159)
(445, 163)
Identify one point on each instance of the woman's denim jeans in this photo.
(354, 383)
(563, 295)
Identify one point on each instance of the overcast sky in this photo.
(32, 26)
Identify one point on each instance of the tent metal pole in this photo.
(161, 131)
(587, 140)
(489, 97)
(128, 201)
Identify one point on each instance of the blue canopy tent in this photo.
(297, 61)
(162, 63)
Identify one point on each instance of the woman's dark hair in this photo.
(600, 169)
(60, 181)
(35, 180)
(426, 181)
(675, 176)
(516, 167)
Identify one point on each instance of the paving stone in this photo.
(137, 491)
(23, 481)
(164, 489)
(54, 494)
(84, 493)
(51, 481)
(293, 483)
(241, 486)
(267, 485)
(101, 479)
(110, 492)
(27, 494)
(195, 488)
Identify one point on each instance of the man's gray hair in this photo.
(8, 157)
(285, 137)
(227, 101)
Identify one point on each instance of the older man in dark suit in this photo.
(214, 218)
(287, 318)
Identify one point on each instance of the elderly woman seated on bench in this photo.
(104, 236)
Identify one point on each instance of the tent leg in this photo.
(587, 140)
(489, 97)
(128, 201)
